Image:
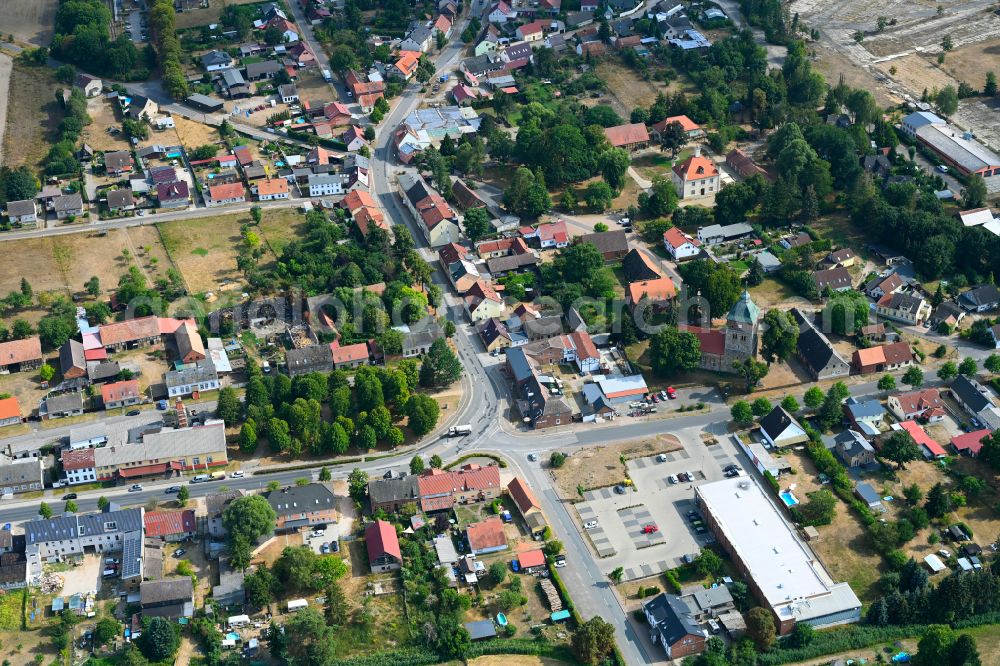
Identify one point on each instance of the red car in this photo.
(671, 392)
(650, 529)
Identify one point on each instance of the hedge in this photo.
(564, 593)
(540, 648)
(469, 456)
(839, 640)
(405, 657)
(673, 580)
(771, 481)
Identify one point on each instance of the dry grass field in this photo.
(627, 86)
(32, 115)
(832, 65)
(281, 226)
(192, 134)
(600, 466)
(204, 250)
(196, 17)
(29, 21)
(970, 63)
(918, 72)
(103, 117)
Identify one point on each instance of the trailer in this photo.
(296, 605)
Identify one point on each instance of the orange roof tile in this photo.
(522, 495)
(381, 539)
(129, 331)
(356, 199)
(77, 459)
(695, 167)
(350, 353)
(625, 135)
(269, 187)
(9, 408)
(118, 391)
(676, 238)
(531, 558)
(19, 351)
(660, 289)
(869, 356)
(226, 191)
(486, 534)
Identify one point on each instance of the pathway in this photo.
(6, 65)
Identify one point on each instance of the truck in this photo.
(459, 431)
(327, 76)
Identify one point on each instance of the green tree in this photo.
(260, 587)
(900, 448)
(964, 652)
(436, 462)
(416, 465)
(813, 397)
(553, 547)
(947, 100)
(70, 507)
(102, 503)
(423, 412)
(760, 628)
(159, 641)
(968, 367)
(742, 413)
(183, 495)
(934, 646)
(248, 437)
(324, 475)
(913, 376)
(557, 459)
(477, 223)
(93, 286)
(337, 608)
(498, 572)
(708, 563)
(46, 373)
(617, 574)
(357, 484)
(614, 164)
(314, 641)
(939, 502)
(947, 371)
(593, 641)
(106, 630)
(441, 366)
(674, 352)
(790, 404)
(886, 383)
(598, 195)
(250, 517)
(761, 407)
(752, 371)
(975, 193)
(992, 363)
(228, 408)
(780, 336)
(44, 510)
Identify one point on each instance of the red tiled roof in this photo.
(676, 238)
(356, 199)
(921, 437)
(9, 408)
(916, 401)
(146, 470)
(275, 186)
(368, 216)
(166, 523)
(695, 167)
(243, 155)
(226, 191)
(350, 353)
(971, 442)
(428, 504)
(131, 330)
(534, 27)
(95, 354)
(624, 135)
(117, 391)
(380, 537)
(77, 459)
(660, 289)
(469, 478)
(19, 351)
(585, 347)
(408, 61)
(712, 341)
(522, 495)
(686, 123)
(451, 253)
(486, 534)
(531, 558)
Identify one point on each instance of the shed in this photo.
(481, 629)
(964, 564)
(934, 563)
(810, 533)
(867, 494)
(297, 605)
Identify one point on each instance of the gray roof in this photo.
(20, 472)
(82, 433)
(217, 503)
(984, 294)
(510, 262)
(167, 590)
(232, 77)
(777, 422)
(607, 241)
(68, 202)
(519, 365)
(307, 359)
(21, 208)
(256, 69)
(165, 444)
(481, 629)
(202, 371)
(971, 393)
(865, 491)
(420, 34)
(120, 198)
(71, 355)
(866, 409)
(672, 618)
(103, 370)
(403, 489)
(968, 153)
(727, 232)
(852, 442)
(71, 526)
(297, 499)
(287, 90)
(904, 302)
(216, 58)
(712, 597)
(767, 260)
(66, 402)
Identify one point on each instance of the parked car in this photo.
(661, 458)
(315, 534)
(515, 566)
(590, 524)
(133, 412)
(650, 529)
(325, 548)
(671, 392)
(180, 552)
(135, 487)
(69, 496)
(560, 564)
(335, 546)
(532, 457)
(172, 490)
(672, 479)
(236, 475)
(620, 489)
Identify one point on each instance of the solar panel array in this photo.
(132, 555)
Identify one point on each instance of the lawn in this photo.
(33, 115)
(12, 610)
(281, 226)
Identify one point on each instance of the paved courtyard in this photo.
(618, 539)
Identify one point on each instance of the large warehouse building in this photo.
(959, 150)
(780, 570)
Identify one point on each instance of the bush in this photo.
(557, 459)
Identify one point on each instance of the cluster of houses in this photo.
(63, 204)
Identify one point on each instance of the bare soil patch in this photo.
(970, 63)
(600, 466)
(312, 87)
(917, 72)
(627, 86)
(192, 134)
(511, 660)
(33, 115)
(30, 21)
(104, 117)
(832, 64)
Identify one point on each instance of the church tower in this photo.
(741, 331)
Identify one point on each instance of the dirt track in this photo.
(6, 65)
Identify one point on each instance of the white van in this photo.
(201, 478)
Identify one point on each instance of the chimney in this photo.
(697, 151)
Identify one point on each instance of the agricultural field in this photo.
(29, 21)
(33, 115)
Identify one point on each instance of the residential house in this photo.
(692, 129)
(349, 357)
(420, 39)
(300, 507)
(22, 476)
(980, 299)
(652, 293)
(190, 348)
(880, 286)
(796, 240)
(216, 60)
(443, 25)
(975, 217)
(406, 65)
(462, 274)
(271, 189)
(815, 350)
(169, 598)
(970, 443)
(466, 197)
(714, 234)
(526, 502)
(697, 176)
(612, 245)
(169, 525)
(853, 449)
(61, 406)
(865, 416)
(436, 219)
(383, 547)
(72, 361)
(440, 490)
(391, 495)
(354, 139)
(216, 504)
(78, 466)
(224, 195)
(120, 200)
(976, 400)
(923, 404)
(121, 394)
(948, 312)
(20, 355)
(22, 212)
(549, 235)
(632, 136)
(289, 33)
(62, 537)
(266, 69)
(672, 626)
(532, 32)
(930, 448)
(873, 332)
(743, 165)
(497, 335)
(314, 358)
(500, 13)
(843, 257)
(905, 308)
(288, 93)
(835, 279)
(883, 358)
(68, 205)
(192, 378)
(780, 429)
(680, 245)
(90, 85)
(173, 195)
(486, 536)
(163, 453)
(139, 107)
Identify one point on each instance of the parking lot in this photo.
(330, 533)
(623, 536)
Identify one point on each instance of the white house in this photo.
(680, 245)
(78, 465)
(22, 212)
(779, 429)
(200, 376)
(223, 195)
(321, 185)
(697, 176)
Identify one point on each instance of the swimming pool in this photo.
(788, 498)
(233, 636)
(501, 619)
(173, 155)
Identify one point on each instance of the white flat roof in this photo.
(792, 581)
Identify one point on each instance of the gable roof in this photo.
(226, 191)
(19, 351)
(172, 191)
(350, 353)
(486, 534)
(606, 241)
(9, 408)
(165, 523)
(984, 294)
(624, 135)
(777, 422)
(686, 124)
(921, 437)
(835, 278)
(912, 402)
(660, 289)
(696, 167)
(813, 346)
(381, 540)
(117, 391)
(971, 442)
(973, 394)
(676, 238)
(74, 459)
(637, 266)
(522, 495)
(295, 500)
